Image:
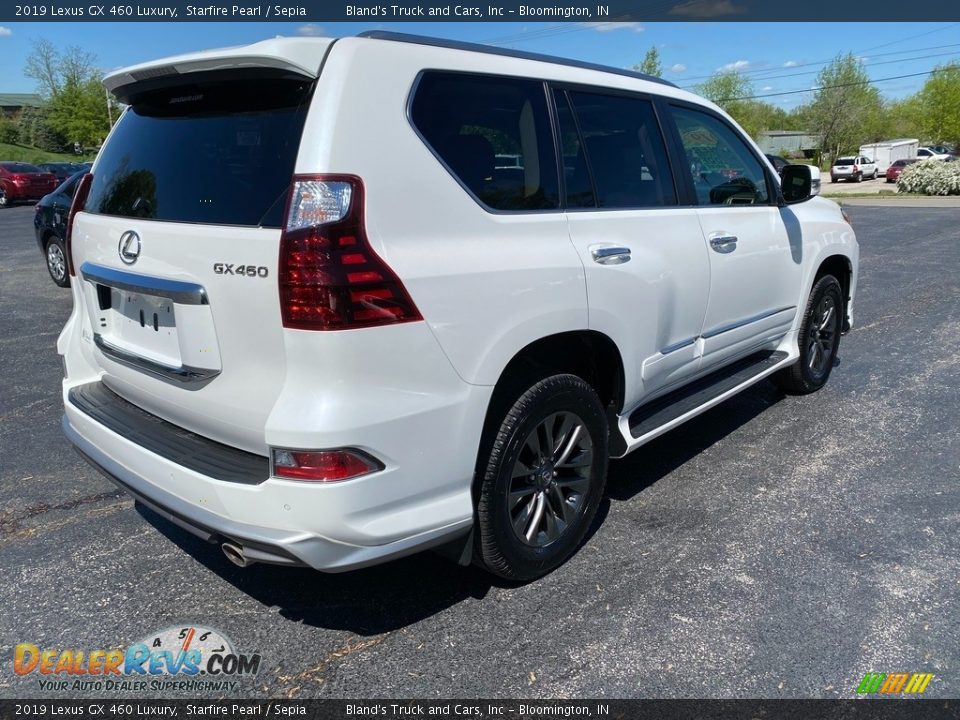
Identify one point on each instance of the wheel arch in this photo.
(589, 354)
(841, 267)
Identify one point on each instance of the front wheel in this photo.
(819, 340)
(542, 479)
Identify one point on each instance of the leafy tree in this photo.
(70, 82)
(732, 91)
(937, 105)
(651, 63)
(846, 111)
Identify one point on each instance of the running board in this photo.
(670, 410)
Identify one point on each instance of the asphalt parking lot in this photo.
(773, 547)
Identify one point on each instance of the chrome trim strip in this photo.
(184, 293)
(713, 332)
(182, 374)
(677, 346)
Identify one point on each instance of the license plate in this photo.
(143, 324)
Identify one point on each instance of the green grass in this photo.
(25, 153)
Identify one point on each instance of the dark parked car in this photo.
(62, 170)
(893, 172)
(23, 182)
(50, 225)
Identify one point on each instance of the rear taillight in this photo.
(77, 205)
(322, 465)
(330, 278)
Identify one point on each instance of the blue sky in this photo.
(778, 57)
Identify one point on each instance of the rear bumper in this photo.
(264, 519)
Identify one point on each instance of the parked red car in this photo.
(893, 172)
(21, 182)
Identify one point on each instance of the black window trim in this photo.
(773, 188)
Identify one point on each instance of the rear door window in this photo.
(626, 152)
(222, 153)
(493, 134)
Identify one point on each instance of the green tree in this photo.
(938, 106)
(70, 82)
(846, 111)
(732, 91)
(651, 64)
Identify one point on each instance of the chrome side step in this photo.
(668, 411)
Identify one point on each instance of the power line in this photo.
(825, 62)
(831, 87)
(871, 64)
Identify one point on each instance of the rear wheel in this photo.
(542, 479)
(819, 339)
(858, 177)
(57, 262)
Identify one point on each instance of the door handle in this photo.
(610, 255)
(723, 243)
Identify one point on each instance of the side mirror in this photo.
(796, 183)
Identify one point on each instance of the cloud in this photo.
(791, 63)
(766, 88)
(311, 30)
(611, 26)
(678, 68)
(5, 31)
(734, 66)
(707, 8)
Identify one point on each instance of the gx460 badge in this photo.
(260, 271)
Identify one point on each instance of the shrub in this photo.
(931, 177)
(9, 133)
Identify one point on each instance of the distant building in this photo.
(774, 142)
(12, 104)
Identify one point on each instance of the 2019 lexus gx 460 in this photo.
(338, 301)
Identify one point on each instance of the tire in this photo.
(832, 179)
(859, 177)
(4, 202)
(553, 506)
(819, 339)
(56, 256)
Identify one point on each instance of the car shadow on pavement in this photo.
(658, 458)
(367, 602)
(391, 596)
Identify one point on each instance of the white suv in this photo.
(318, 322)
(854, 168)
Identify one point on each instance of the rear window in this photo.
(845, 161)
(15, 167)
(219, 153)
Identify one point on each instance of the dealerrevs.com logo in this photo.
(192, 658)
(894, 683)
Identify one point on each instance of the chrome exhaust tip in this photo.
(235, 555)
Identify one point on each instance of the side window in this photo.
(626, 152)
(724, 170)
(494, 135)
(70, 187)
(575, 171)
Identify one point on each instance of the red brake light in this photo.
(322, 465)
(77, 205)
(330, 278)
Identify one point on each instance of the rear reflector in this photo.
(77, 205)
(323, 465)
(330, 278)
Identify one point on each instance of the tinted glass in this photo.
(17, 167)
(845, 161)
(627, 157)
(579, 186)
(724, 170)
(70, 184)
(218, 153)
(494, 135)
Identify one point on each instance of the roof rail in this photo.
(519, 54)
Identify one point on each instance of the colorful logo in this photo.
(177, 651)
(894, 683)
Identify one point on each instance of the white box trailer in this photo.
(887, 152)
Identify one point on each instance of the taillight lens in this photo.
(77, 205)
(330, 278)
(323, 465)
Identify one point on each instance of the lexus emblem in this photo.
(129, 247)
